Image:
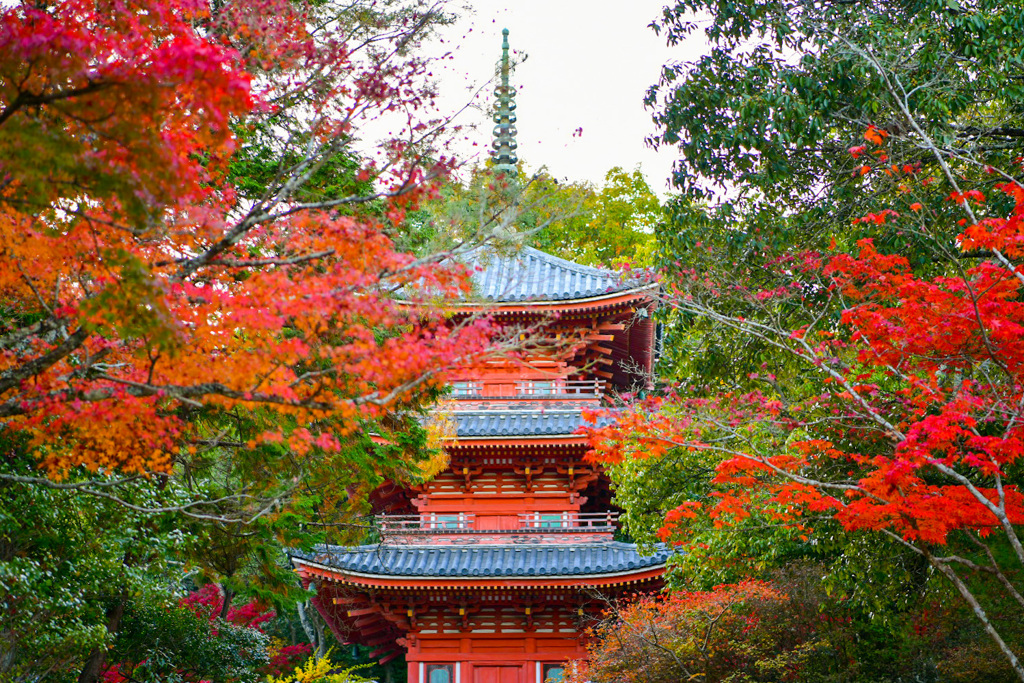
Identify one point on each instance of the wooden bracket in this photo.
(529, 471)
(530, 610)
(467, 475)
(464, 610)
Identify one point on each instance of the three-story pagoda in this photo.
(490, 572)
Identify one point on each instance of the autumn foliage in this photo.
(749, 631)
(923, 436)
(905, 421)
(138, 287)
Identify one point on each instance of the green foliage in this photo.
(65, 557)
(615, 224)
(163, 643)
(770, 125)
(787, 88)
(264, 158)
(606, 226)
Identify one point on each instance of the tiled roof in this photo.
(518, 422)
(532, 275)
(486, 561)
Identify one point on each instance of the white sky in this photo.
(589, 65)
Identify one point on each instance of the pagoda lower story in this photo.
(474, 614)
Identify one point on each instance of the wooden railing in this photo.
(433, 523)
(572, 521)
(528, 522)
(528, 390)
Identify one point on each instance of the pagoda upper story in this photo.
(518, 473)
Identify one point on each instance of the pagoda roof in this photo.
(549, 561)
(496, 423)
(531, 275)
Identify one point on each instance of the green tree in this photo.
(615, 223)
(769, 112)
(608, 226)
(69, 564)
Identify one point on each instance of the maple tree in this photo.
(204, 314)
(907, 423)
(138, 286)
(836, 308)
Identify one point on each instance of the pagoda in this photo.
(490, 572)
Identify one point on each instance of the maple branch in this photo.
(979, 612)
(75, 486)
(995, 569)
(894, 84)
(997, 511)
(770, 335)
(185, 509)
(762, 459)
(255, 263)
(37, 329)
(993, 356)
(17, 375)
(190, 394)
(25, 99)
(32, 286)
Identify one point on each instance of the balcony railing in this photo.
(527, 390)
(572, 521)
(433, 523)
(528, 522)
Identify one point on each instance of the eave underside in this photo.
(394, 619)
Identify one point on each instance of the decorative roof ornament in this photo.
(504, 144)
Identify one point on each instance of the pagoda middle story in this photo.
(491, 572)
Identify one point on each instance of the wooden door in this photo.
(497, 522)
(496, 674)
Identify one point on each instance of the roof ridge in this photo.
(567, 264)
(529, 274)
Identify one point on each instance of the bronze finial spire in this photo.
(504, 152)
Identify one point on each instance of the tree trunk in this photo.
(94, 665)
(321, 641)
(300, 607)
(228, 597)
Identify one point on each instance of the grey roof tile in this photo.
(532, 275)
(487, 560)
(472, 423)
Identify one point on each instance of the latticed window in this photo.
(554, 673)
(555, 520)
(446, 522)
(465, 389)
(537, 388)
(440, 673)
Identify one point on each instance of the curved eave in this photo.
(608, 300)
(309, 569)
(523, 441)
